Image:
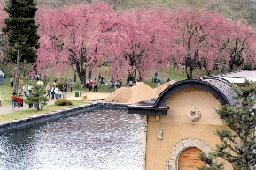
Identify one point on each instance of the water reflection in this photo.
(99, 140)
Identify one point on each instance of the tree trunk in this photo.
(189, 72)
(81, 72)
(82, 77)
(140, 76)
(90, 74)
(17, 75)
(135, 75)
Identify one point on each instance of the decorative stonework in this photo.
(172, 162)
(194, 115)
(160, 134)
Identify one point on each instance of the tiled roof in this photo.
(225, 87)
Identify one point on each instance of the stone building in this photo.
(182, 121)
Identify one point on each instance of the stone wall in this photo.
(31, 121)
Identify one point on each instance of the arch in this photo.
(162, 99)
(181, 146)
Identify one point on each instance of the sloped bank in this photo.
(32, 121)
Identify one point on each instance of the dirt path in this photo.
(91, 96)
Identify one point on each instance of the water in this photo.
(99, 140)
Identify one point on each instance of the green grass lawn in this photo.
(6, 93)
(32, 112)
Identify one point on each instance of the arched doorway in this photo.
(189, 159)
(183, 146)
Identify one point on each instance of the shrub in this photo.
(63, 102)
(37, 97)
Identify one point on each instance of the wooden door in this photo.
(189, 159)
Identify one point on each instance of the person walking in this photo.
(64, 92)
(90, 85)
(25, 90)
(102, 82)
(52, 92)
(117, 84)
(20, 101)
(110, 84)
(56, 93)
(155, 77)
(48, 90)
(95, 85)
(14, 100)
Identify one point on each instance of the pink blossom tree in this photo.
(201, 34)
(207, 39)
(240, 47)
(138, 42)
(72, 36)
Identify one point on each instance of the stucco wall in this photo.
(177, 126)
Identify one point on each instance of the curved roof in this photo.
(220, 88)
(225, 87)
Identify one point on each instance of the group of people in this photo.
(54, 93)
(92, 85)
(157, 80)
(16, 101)
(112, 85)
(24, 91)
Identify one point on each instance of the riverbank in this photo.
(8, 117)
(7, 114)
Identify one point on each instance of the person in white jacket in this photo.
(48, 90)
(56, 93)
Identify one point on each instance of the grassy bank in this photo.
(5, 93)
(33, 112)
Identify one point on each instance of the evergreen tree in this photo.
(37, 97)
(21, 31)
(238, 145)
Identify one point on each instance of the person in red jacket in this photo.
(90, 85)
(14, 100)
(20, 102)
